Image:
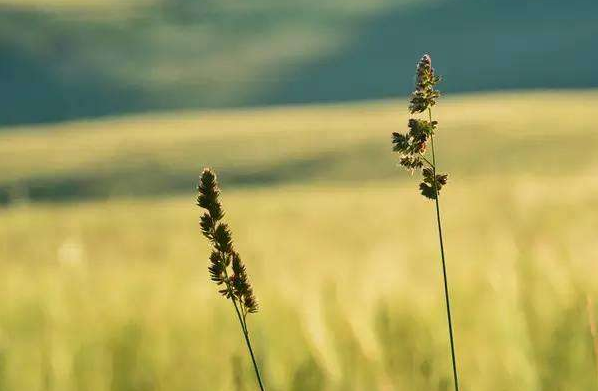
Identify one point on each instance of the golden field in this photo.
(108, 289)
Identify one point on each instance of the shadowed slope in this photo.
(547, 133)
(60, 64)
(476, 45)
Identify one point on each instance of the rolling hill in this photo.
(543, 134)
(69, 59)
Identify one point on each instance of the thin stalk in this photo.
(444, 274)
(246, 335)
(427, 161)
(248, 342)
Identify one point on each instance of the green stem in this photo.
(427, 161)
(444, 274)
(248, 342)
(245, 332)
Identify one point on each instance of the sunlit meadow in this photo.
(113, 293)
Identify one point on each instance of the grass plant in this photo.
(413, 147)
(226, 268)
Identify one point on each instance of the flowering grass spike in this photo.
(412, 148)
(226, 268)
(413, 145)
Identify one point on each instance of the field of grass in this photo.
(533, 134)
(111, 292)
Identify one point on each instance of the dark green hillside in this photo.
(477, 45)
(59, 64)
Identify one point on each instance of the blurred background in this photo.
(109, 110)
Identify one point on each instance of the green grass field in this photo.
(106, 287)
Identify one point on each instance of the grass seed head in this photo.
(413, 145)
(424, 95)
(226, 267)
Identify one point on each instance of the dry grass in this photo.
(114, 295)
(116, 291)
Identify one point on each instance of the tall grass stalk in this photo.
(226, 268)
(593, 329)
(412, 148)
(444, 274)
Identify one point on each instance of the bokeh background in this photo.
(109, 110)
